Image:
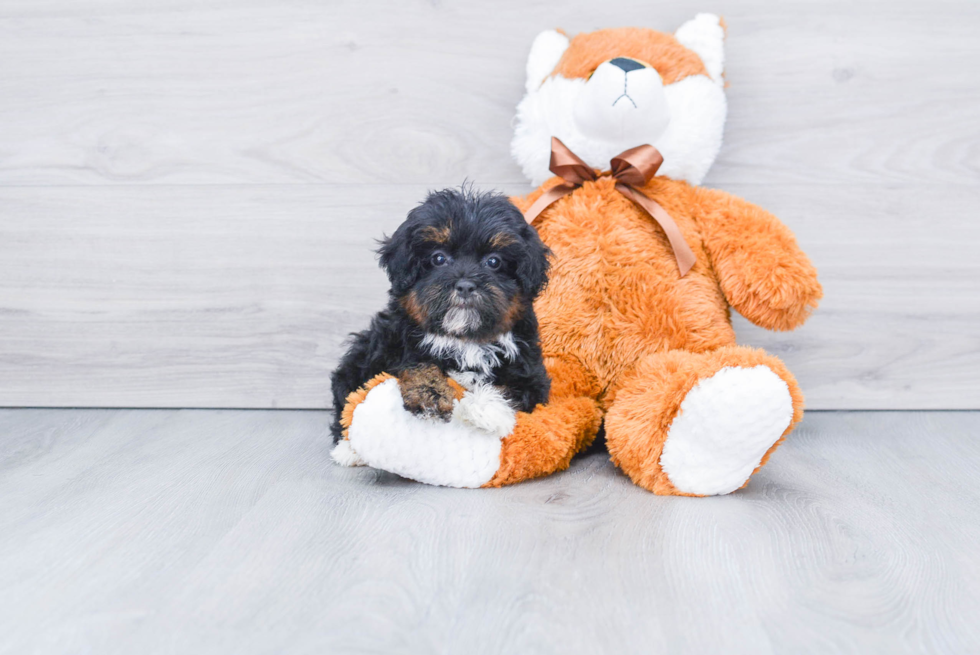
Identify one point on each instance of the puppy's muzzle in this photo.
(466, 304)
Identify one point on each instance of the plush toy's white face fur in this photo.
(624, 103)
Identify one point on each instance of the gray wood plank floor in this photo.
(189, 190)
(217, 531)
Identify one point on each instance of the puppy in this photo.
(464, 269)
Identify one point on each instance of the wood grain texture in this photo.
(242, 295)
(231, 532)
(107, 92)
(189, 192)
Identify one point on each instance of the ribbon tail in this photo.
(546, 198)
(682, 252)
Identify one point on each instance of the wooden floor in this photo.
(206, 531)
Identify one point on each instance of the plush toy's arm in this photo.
(762, 271)
(383, 347)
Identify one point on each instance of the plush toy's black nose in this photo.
(625, 64)
(465, 287)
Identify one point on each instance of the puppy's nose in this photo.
(626, 65)
(465, 288)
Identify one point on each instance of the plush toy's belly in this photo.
(614, 292)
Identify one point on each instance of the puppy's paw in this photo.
(426, 392)
(485, 407)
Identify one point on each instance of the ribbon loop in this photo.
(636, 166)
(568, 166)
(631, 169)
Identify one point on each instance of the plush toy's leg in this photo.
(700, 424)
(541, 442)
(545, 440)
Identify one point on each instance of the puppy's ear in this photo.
(395, 257)
(387, 252)
(532, 272)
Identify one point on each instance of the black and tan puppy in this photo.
(464, 268)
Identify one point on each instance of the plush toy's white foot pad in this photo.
(450, 454)
(344, 455)
(725, 425)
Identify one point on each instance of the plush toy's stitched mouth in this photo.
(625, 93)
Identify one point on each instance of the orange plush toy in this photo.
(634, 322)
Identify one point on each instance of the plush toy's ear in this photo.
(705, 35)
(546, 50)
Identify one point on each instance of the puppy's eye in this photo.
(492, 262)
(439, 259)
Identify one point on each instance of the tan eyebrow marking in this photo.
(436, 234)
(502, 240)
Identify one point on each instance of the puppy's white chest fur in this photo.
(473, 360)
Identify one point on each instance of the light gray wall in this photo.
(189, 192)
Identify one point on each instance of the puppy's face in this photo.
(465, 264)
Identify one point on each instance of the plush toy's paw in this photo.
(485, 408)
(426, 392)
(507, 447)
(725, 426)
(344, 454)
(452, 454)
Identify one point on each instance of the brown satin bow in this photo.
(631, 169)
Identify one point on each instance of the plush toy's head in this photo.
(465, 264)
(606, 91)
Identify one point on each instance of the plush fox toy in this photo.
(635, 338)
